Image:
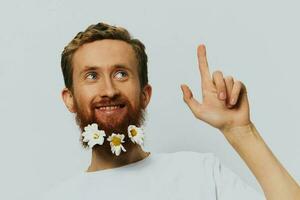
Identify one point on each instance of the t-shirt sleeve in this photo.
(230, 186)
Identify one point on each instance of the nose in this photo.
(109, 89)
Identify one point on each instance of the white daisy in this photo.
(92, 135)
(116, 141)
(136, 134)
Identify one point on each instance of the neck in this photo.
(102, 158)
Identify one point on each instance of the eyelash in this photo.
(94, 74)
(123, 72)
(91, 74)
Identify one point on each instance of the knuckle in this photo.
(217, 73)
(238, 83)
(184, 99)
(222, 87)
(229, 78)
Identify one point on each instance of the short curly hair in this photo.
(103, 31)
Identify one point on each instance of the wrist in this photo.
(240, 133)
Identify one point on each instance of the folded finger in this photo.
(220, 84)
(229, 85)
(236, 90)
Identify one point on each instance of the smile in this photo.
(108, 108)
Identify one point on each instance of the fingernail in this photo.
(222, 95)
(232, 102)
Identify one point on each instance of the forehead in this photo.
(104, 53)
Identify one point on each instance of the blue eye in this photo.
(91, 75)
(121, 74)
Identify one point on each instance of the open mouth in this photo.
(110, 107)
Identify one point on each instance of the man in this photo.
(105, 73)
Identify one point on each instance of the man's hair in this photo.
(103, 31)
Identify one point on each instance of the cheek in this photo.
(83, 96)
(134, 96)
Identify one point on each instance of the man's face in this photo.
(106, 87)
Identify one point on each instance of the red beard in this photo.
(110, 123)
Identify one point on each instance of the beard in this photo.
(110, 124)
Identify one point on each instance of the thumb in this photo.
(188, 98)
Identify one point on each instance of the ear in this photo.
(68, 99)
(146, 95)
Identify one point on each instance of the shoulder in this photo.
(191, 156)
(191, 159)
(190, 166)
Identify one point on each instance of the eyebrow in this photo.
(95, 68)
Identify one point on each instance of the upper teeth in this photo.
(108, 107)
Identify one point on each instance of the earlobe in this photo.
(68, 99)
(147, 92)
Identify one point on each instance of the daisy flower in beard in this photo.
(116, 141)
(136, 134)
(92, 135)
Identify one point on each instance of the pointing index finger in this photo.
(203, 65)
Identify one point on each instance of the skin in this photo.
(105, 69)
(233, 120)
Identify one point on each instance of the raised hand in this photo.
(224, 100)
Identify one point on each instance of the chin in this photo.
(114, 123)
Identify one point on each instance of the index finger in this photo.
(203, 64)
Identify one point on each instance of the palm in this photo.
(213, 110)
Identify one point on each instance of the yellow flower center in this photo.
(95, 136)
(116, 141)
(133, 132)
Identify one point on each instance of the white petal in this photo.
(86, 134)
(113, 149)
(109, 138)
(89, 127)
(131, 127)
(132, 140)
(140, 142)
(91, 144)
(85, 139)
(102, 133)
(100, 140)
(86, 128)
(94, 126)
(118, 150)
(122, 138)
(139, 139)
(123, 148)
(111, 145)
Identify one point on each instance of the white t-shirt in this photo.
(175, 176)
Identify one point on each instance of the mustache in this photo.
(117, 101)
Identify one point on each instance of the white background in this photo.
(254, 41)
